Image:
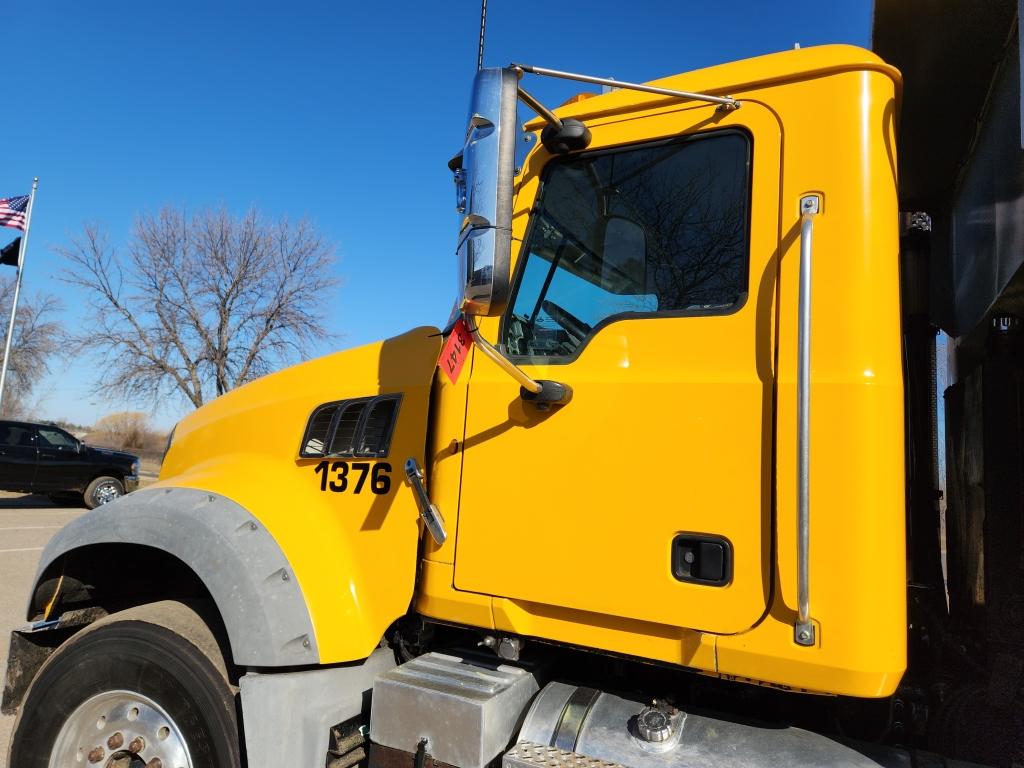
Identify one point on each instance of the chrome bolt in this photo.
(96, 754)
(115, 741)
(156, 762)
(137, 745)
(805, 636)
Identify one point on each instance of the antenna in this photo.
(483, 28)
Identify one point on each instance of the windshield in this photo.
(651, 229)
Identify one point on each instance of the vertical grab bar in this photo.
(803, 630)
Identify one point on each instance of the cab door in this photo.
(18, 456)
(60, 466)
(646, 281)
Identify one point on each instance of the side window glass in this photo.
(18, 436)
(635, 232)
(54, 438)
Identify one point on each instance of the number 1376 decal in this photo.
(341, 476)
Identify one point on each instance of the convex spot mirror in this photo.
(484, 175)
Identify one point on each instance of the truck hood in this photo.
(111, 454)
(349, 527)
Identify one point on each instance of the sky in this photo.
(345, 113)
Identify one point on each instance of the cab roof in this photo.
(736, 77)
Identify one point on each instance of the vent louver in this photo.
(319, 427)
(360, 427)
(376, 434)
(345, 431)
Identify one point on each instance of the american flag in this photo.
(12, 211)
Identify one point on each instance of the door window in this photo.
(643, 231)
(55, 438)
(15, 435)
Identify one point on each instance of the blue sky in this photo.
(343, 112)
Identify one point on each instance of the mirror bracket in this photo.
(542, 392)
(559, 136)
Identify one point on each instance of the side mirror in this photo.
(484, 175)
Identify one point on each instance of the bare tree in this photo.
(198, 305)
(38, 337)
(125, 430)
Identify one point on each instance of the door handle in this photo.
(429, 512)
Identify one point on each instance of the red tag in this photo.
(455, 350)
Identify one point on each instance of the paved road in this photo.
(26, 524)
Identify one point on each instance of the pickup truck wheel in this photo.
(130, 693)
(102, 490)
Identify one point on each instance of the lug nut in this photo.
(96, 754)
(155, 763)
(137, 745)
(115, 741)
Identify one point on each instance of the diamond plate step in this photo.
(528, 754)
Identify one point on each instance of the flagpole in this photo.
(22, 250)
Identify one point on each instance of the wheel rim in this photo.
(120, 729)
(106, 492)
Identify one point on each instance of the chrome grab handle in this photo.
(803, 630)
(429, 512)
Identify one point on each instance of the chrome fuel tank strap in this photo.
(575, 712)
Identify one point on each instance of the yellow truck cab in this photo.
(641, 502)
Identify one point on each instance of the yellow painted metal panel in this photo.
(669, 431)
(354, 555)
(836, 107)
(857, 546)
(677, 645)
(444, 456)
(436, 597)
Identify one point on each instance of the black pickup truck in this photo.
(42, 458)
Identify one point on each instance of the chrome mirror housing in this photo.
(484, 173)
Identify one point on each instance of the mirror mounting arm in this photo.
(559, 136)
(542, 392)
(553, 120)
(725, 103)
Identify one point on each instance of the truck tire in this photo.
(102, 490)
(143, 687)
